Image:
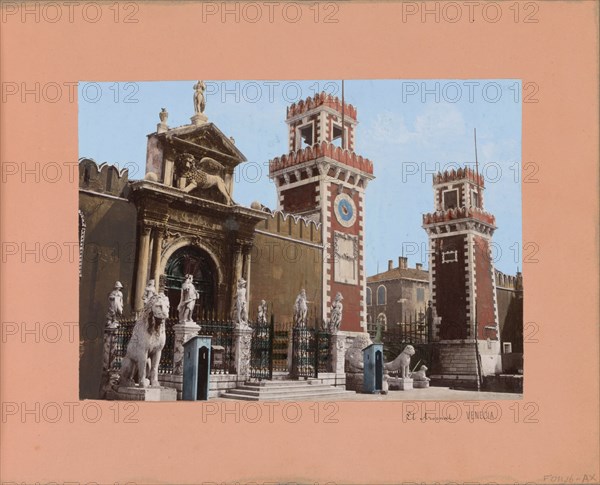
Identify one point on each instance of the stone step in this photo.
(283, 383)
(284, 390)
(251, 390)
(287, 396)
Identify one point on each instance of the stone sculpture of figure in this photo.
(336, 313)
(199, 98)
(402, 362)
(189, 295)
(149, 292)
(140, 364)
(241, 305)
(115, 306)
(202, 174)
(354, 362)
(163, 115)
(420, 374)
(262, 312)
(300, 309)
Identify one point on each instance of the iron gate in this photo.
(261, 351)
(310, 352)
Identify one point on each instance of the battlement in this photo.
(103, 178)
(458, 175)
(509, 281)
(459, 213)
(319, 150)
(292, 226)
(321, 99)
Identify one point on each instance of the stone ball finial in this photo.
(256, 205)
(151, 176)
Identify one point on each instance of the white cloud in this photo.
(437, 120)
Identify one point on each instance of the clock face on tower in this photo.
(345, 210)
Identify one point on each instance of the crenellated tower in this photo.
(462, 275)
(323, 179)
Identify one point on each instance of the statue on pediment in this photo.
(199, 98)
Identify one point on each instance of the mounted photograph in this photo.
(259, 240)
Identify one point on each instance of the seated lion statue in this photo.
(140, 364)
(420, 374)
(354, 356)
(402, 362)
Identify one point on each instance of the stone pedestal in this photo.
(338, 352)
(110, 374)
(242, 341)
(183, 332)
(354, 381)
(199, 119)
(400, 384)
(420, 384)
(134, 393)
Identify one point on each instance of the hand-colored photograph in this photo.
(301, 240)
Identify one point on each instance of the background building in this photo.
(397, 296)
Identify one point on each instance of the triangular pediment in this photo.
(205, 140)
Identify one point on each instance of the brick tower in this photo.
(462, 278)
(321, 178)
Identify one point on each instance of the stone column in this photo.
(156, 253)
(109, 372)
(183, 332)
(242, 341)
(142, 268)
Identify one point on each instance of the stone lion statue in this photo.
(140, 364)
(202, 174)
(354, 355)
(402, 362)
(420, 374)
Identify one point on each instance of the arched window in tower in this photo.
(381, 295)
(382, 320)
(369, 296)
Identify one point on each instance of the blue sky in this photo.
(408, 128)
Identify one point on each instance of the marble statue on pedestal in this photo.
(262, 313)
(189, 295)
(199, 97)
(240, 310)
(163, 115)
(402, 362)
(115, 306)
(301, 309)
(140, 364)
(336, 313)
(149, 292)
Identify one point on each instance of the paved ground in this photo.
(429, 394)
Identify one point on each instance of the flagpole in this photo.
(476, 161)
(343, 130)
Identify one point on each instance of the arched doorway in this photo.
(192, 260)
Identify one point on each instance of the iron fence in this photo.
(310, 352)
(261, 350)
(303, 353)
(281, 346)
(223, 354)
